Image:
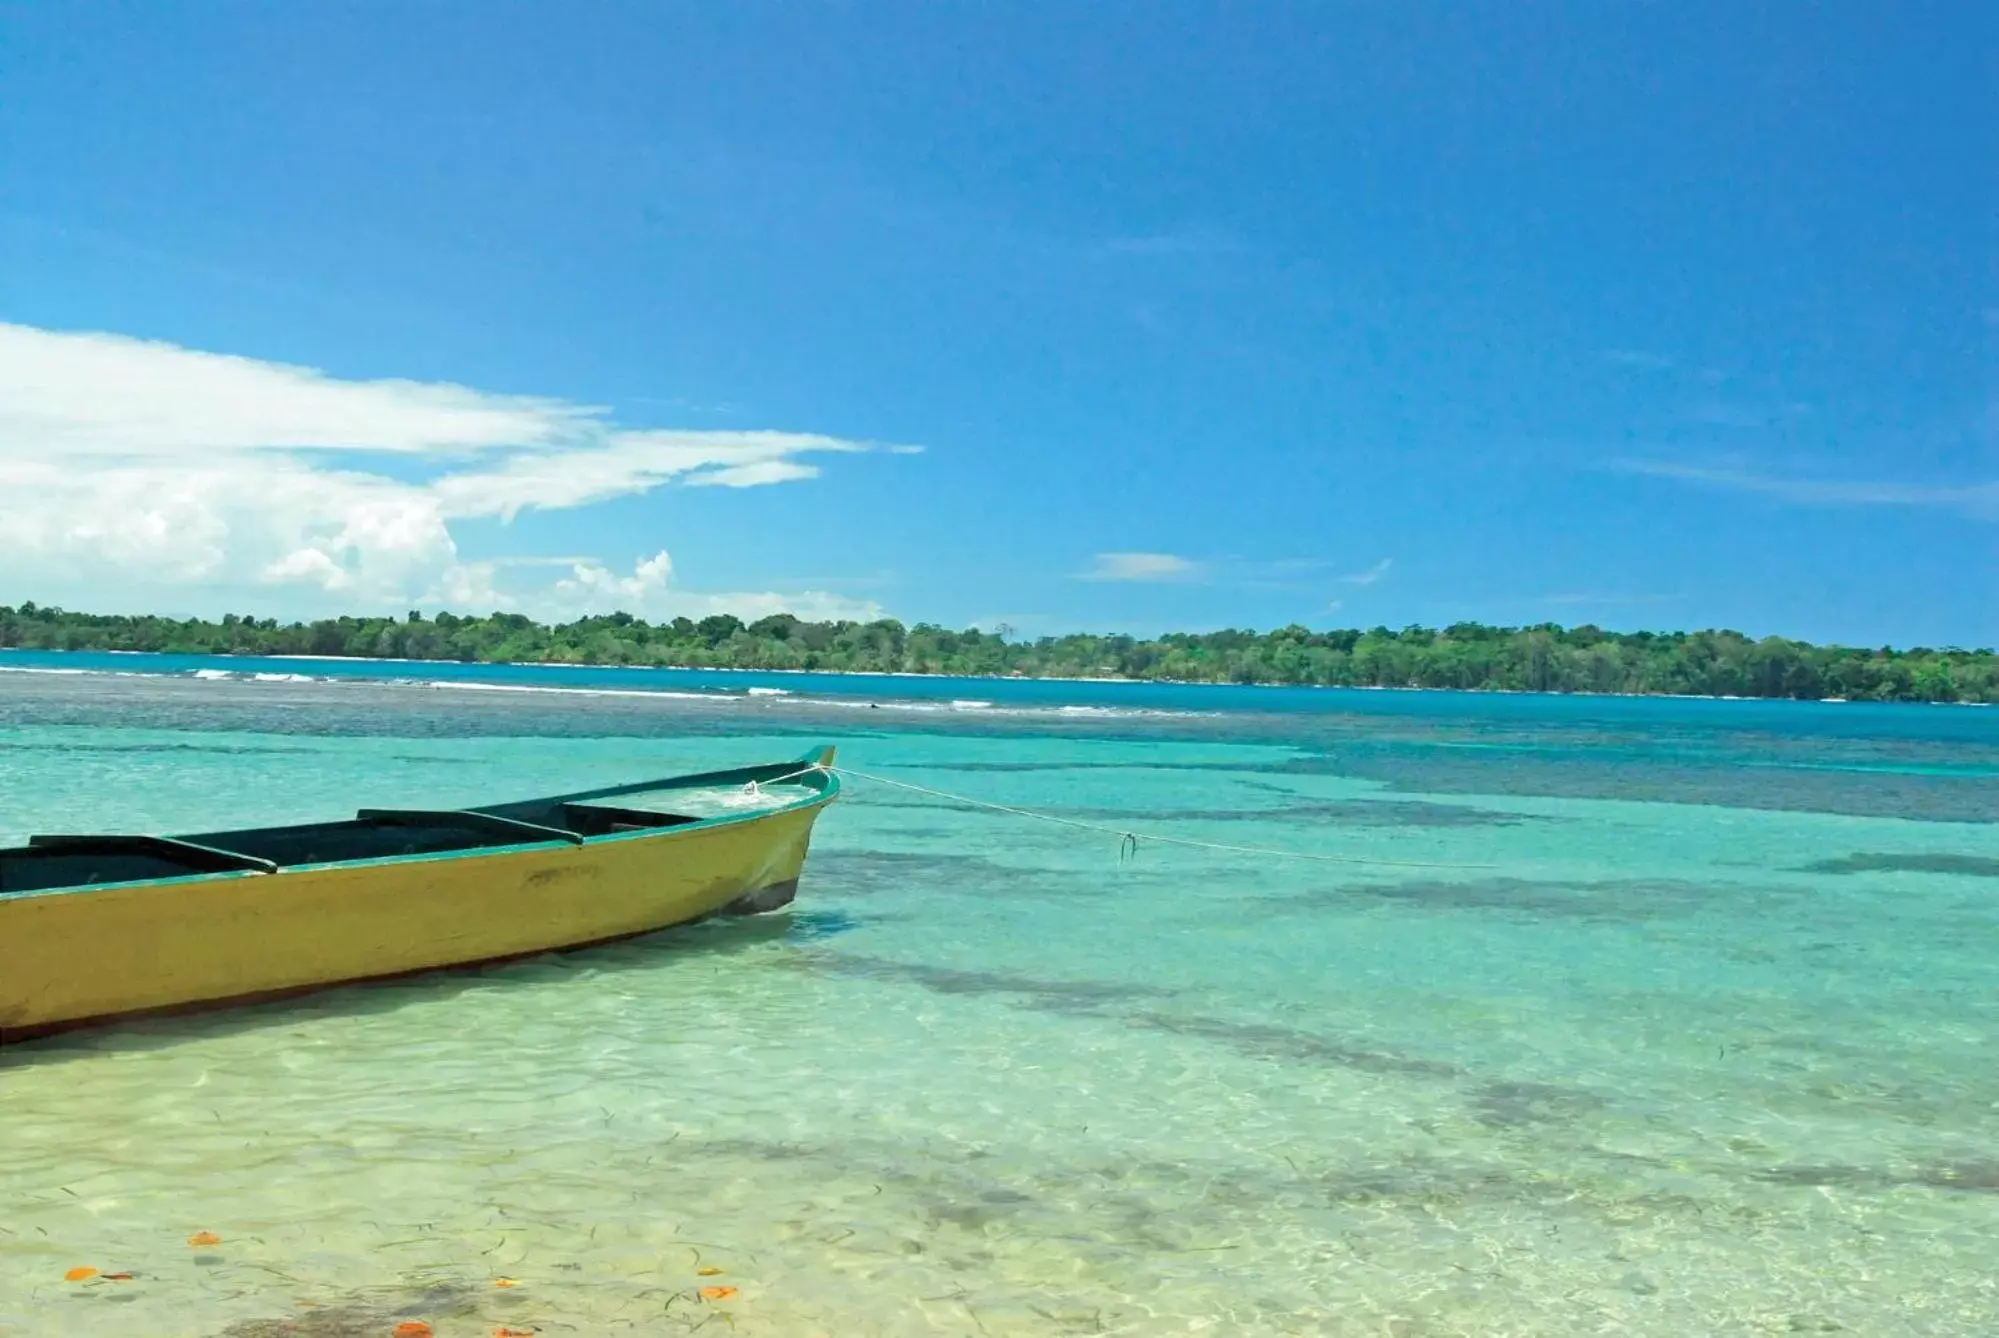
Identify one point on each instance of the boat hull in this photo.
(94, 954)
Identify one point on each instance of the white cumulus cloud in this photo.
(94, 392)
(142, 474)
(591, 587)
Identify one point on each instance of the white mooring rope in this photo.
(1128, 840)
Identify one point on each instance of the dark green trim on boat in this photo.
(524, 832)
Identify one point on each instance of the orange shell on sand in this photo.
(708, 1272)
(201, 1238)
(79, 1275)
(505, 1282)
(717, 1293)
(412, 1328)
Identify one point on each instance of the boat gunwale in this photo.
(816, 764)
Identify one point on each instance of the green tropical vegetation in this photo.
(1545, 658)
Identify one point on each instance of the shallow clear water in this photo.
(1693, 1034)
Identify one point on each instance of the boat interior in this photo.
(50, 862)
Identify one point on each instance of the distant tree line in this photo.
(1545, 658)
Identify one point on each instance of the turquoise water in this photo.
(1689, 1032)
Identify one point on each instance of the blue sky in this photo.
(1110, 316)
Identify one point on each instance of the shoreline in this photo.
(965, 678)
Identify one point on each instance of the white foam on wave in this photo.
(994, 710)
(785, 697)
(461, 685)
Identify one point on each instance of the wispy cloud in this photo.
(1371, 575)
(129, 466)
(1232, 571)
(1141, 567)
(1976, 499)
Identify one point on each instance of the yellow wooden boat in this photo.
(99, 927)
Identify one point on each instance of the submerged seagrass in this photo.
(102, 926)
